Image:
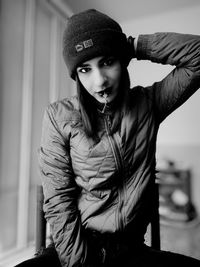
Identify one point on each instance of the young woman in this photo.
(97, 155)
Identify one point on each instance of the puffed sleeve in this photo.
(179, 50)
(60, 192)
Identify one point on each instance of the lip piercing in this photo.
(105, 96)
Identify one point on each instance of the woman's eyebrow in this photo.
(104, 58)
(83, 65)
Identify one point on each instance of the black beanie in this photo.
(90, 34)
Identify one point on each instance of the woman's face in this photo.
(101, 77)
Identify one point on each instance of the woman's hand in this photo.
(131, 47)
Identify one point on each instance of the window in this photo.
(33, 74)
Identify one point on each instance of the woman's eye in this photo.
(83, 70)
(108, 61)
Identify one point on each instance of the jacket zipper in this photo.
(120, 168)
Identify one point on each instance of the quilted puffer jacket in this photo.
(106, 184)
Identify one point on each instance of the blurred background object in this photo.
(175, 195)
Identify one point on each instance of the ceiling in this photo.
(123, 10)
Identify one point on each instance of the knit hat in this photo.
(89, 34)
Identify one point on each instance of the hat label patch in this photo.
(83, 45)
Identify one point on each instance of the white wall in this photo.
(182, 126)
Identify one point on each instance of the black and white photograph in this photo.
(100, 133)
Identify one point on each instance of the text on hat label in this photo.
(85, 44)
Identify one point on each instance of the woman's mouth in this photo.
(106, 92)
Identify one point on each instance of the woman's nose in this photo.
(100, 79)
